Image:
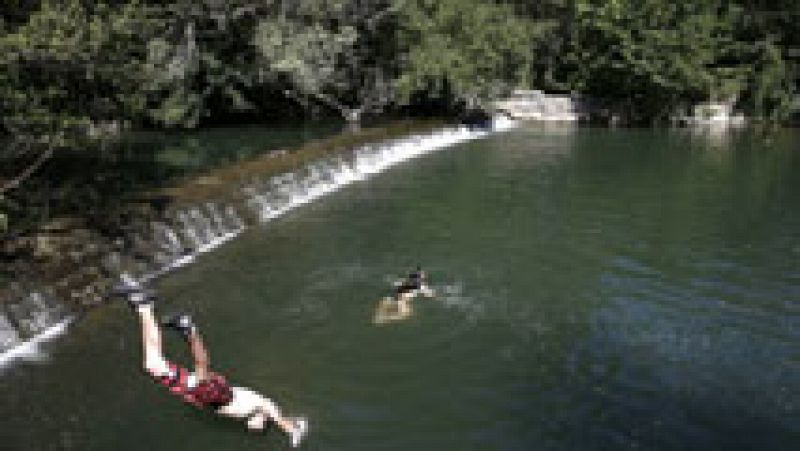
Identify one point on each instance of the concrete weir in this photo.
(178, 236)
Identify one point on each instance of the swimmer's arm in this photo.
(199, 355)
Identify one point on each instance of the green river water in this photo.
(596, 289)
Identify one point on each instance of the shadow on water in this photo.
(91, 181)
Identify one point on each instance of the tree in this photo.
(198, 52)
(473, 49)
(65, 69)
(769, 36)
(332, 52)
(649, 59)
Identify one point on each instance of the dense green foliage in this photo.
(66, 64)
(649, 59)
(470, 50)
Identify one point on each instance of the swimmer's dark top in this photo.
(413, 282)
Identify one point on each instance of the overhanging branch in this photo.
(29, 171)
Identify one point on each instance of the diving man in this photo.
(202, 388)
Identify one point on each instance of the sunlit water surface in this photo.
(596, 289)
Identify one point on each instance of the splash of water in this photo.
(453, 296)
(32, 349)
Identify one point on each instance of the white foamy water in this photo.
(31, 350)
(189, 258)
(453, 296)
(288, 191)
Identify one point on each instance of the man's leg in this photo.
(256, 409)
(184, 324)
(154, 361)
(140, 300)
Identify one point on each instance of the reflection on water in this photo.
(96, 179)
(190, 152)
(555, 142)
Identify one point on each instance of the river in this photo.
(595, 289)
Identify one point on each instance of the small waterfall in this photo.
(235, 222)
(167, 239)
(188, 229)
(31, 349)
(217, 221)
(276, 195)
(28, 322)
(202, 225)
(34, 313)
(200, 229)
(156, 246)
(167, 244)
(9, 337)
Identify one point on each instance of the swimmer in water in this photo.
(202, 387)
(415, 283)
(398, 306)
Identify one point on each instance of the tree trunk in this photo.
(29, 171)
